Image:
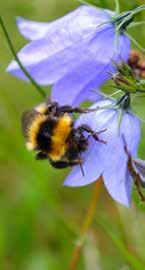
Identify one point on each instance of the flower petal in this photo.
(47, 64)
(128, 184)
(130, 128)
(94, 156)
(74, 23)
(30, 29)
(80, 84)
(91, 171)
(115, 170)
(92, 73)
(116, 175)
(51, 57)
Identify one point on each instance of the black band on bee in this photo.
(45, 133)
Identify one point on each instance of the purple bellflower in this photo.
(74, 53)
(109, 160)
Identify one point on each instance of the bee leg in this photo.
(41, 156)
(92, 133)
(64, 164)
(69, 109)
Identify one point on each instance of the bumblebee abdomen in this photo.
(59, 137)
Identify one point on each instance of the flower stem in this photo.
(117, 6)
(125, 18)
(138, 9)
(136, 43)
(86, 3)
(85, 225)
(39, 89)
(136, 24)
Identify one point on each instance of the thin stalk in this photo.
(120, 116)
(117, 6)
(136, 24)
(115, 93)
(129, 256)
(85, 226)
(136, 43)
(39, 89)
(86, 3)
(130, 15)
(126, 19)
(138, 9)
(116, 39)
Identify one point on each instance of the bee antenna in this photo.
(10, 44)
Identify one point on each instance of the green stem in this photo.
(130, 16)
(125, 20)
(136, 24)
(85, 226)
(138, 9)
(120, 116)
(86, 3)
(136, 43)
(130, 257)
(117, 6)
(39, 89)
(115, 93)
(116, 39)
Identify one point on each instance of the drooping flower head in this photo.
(110, 159)
(74, 53)
(122, 131)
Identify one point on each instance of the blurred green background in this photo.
(39, 218)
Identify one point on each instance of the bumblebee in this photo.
(49, 131)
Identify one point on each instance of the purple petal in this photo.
(128, 184)
(32, 30)
(94, 156)
(47, 64)
(76, 23)
(115, 172)
(77, 85)
(130, 128)
(80, 85)
(50, 58)
(91, 171)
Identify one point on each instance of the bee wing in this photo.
(140, 168)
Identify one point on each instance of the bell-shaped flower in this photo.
(74, 53)
(109, 160)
